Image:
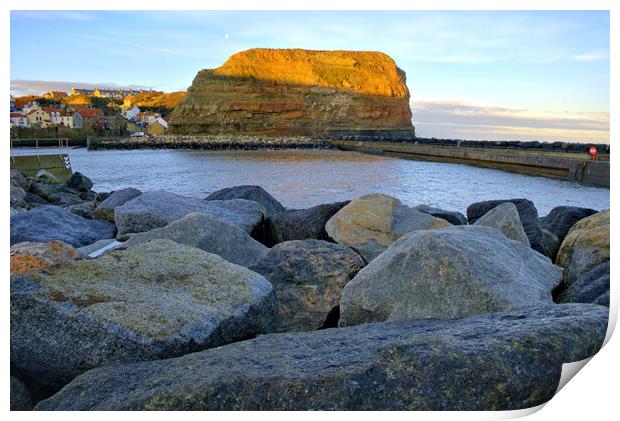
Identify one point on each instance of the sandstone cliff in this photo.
(298, 92)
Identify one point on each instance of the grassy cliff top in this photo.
(366, 72)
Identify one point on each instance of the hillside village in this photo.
(93, 111)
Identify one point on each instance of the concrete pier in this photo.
(576, 167)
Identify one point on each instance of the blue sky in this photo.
(479, 75)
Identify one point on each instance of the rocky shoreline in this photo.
(131, 300)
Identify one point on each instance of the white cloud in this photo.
(455, 119)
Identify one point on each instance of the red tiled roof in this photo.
(17, 115)
(91, 113)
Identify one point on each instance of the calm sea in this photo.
(305, 178)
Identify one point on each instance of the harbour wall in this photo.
(574, 167)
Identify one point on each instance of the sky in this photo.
(505, 75)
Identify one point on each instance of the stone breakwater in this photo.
(212, 142)
(240, 303)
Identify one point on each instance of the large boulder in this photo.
(44, 190)
(151, 301)
(586, 245)
(300, 224)
(255, 193)
(560, 220)
(527, 214)
(590, 287)
(449, 273)
(505, 218)
(19, 179)
(79, 182)
(17, 196)
(209, 234)
(308, 276)
(26, 257)
(20, 396)
(453, 217)
(498, 361)
(48, 223)
(64, 198)
(105, 209)
(157, 209)
(371, 223)
(85, 210)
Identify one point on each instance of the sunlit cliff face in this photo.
(298, 92)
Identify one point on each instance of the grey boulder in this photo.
(308, 276)
(560, 220)
(85, 210)
(505, 218)
(105, 209)
(151, 301)
(209, 234)
(446, 274)
(254, 193)
(499, 361)
(47, 223)
(527, 214)
(300, 224)
(590, 287)
(453, 217)
(79, 182)
(157, 209)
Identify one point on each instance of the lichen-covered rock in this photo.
(298, 92)
(26, 257)
(64, 198)
(448, 273)
(308, 276)
(505, 218)
(455, 218)
(86, 209)
(255, 193)
(44, 190)
(300, 224)
(151, 301)
(20, 396)
(586, 245)
(79, 182)
(209, 234)
(590, 287)
(371, 223)
(105, 209)
(48, 223)
(560, 220)
(527, 214)
(498, 361)
(156, 209)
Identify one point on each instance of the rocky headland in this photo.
(131, 300)
(295, 92)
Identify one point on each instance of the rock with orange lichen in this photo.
(151, 301)
(27, 256)
(298, 92)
